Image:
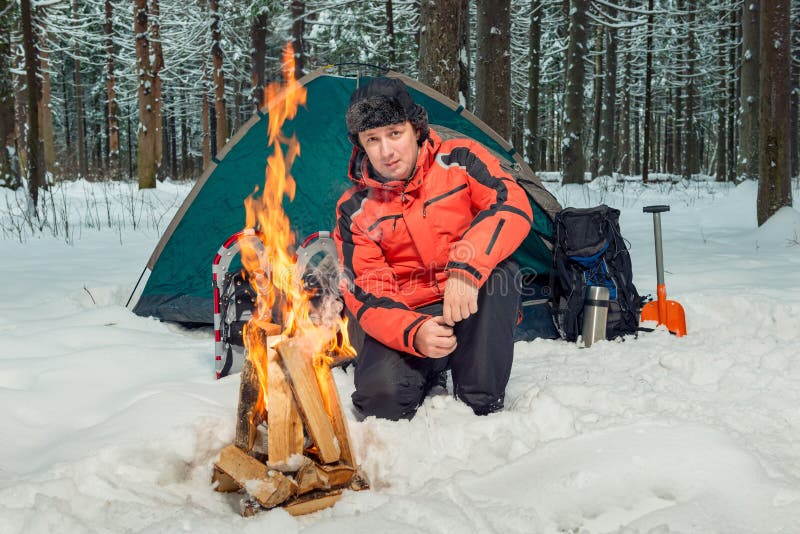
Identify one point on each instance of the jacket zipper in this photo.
(384, 218)
(437, 198)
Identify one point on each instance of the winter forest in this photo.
(665, 89)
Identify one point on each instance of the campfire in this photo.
(292, 446)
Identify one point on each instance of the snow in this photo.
(111, 422)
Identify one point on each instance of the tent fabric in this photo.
(176, 283)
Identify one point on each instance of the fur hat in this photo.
(382, 102)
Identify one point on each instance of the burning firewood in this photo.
(268, 487)
(287, 389)
(334, 409)
(302, 378)
(247, 417)
(285, 436)
(250, 413)
(301, 394)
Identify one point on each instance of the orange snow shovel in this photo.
(663, 311)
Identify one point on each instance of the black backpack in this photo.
(589, 251)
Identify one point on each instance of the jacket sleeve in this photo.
(371, 291)
(503, 214)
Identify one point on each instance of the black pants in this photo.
(392, 385)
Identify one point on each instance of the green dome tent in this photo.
(175, 284)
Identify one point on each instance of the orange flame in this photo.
(280, 295)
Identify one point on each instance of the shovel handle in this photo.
(656, 211)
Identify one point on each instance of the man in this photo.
(424, 235)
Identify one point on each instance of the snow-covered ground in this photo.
(110, 422)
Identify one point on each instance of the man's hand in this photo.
(460, 298)
(434, 338)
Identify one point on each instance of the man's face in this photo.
(392, 149)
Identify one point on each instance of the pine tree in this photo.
(493, 65)
(35, 160)
(438, 49)
(146, 163)
(749, 97)
(774, 169)
(9, 176)
(219, 76)
(572, 147)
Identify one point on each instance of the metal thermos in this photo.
(595, 314)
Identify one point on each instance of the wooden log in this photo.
(272, 491)
(307, 478)
(271, 329)
(359, 482)
(313, 476)
(268, 487)
(333, 407)
(299, 371)
(223, 482)
(285, 427)
(313, 502)
(250, 413)
(247, 419)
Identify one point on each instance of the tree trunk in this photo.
(390, 34)
(493, 68)
(597, 99)
(732, 99)
(219, 77)
(722, 107)
(206, 119)
(97, 152)
(678, 131)
(212, 126)
(111, 95)
(131, 148)
(237, 105)
(173, 145)
(147, 133)
(552, 147)
(795, 127)
(45, 113)
(83, 163)
(67, 129)
(648, 94)
(20, 111)
(625, 126)
(298, 8)
(158, 64)
(749, 100)
(692, 133)
(669, 133)
(574, 162)
(35, 161)
(166, 155)
(105, 137)
(534, 72)
(607, 126)
(8, 174)
(656, 152)
(185, 157)
(464, 58)
(774, 169)
(258, 50)
(438, 50)
(637, 140)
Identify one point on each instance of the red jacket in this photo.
(397, 240)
